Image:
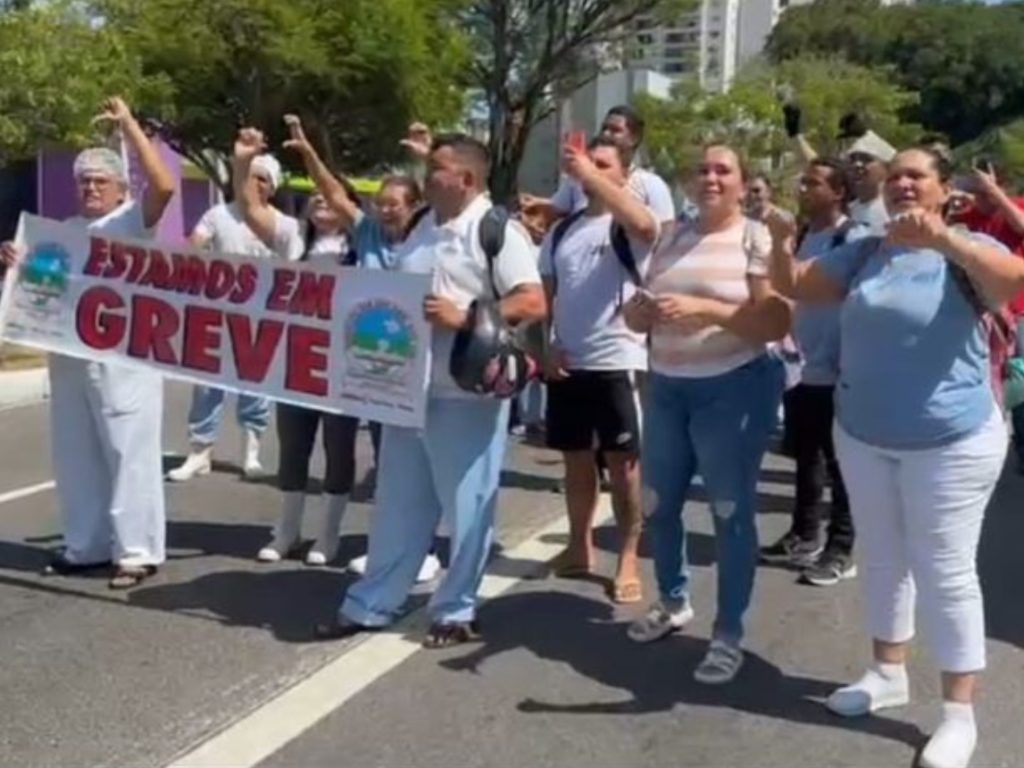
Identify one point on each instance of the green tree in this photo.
(529, 53)
(749, 116)
(51, 91)
(357, 72)
(963, 58)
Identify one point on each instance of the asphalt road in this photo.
(91, 677)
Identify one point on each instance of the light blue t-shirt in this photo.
(372, 249)
(816, 325)
(914, 367)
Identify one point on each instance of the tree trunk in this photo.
(507, 147)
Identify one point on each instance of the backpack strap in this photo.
(491, 232)
(624, 253)
(557, 236)
(843, 232)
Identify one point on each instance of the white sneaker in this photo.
(883, 686)
(659, 622)
(428, 570)
(199, 462)
(251, 467)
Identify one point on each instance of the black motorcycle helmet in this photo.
(485, 358)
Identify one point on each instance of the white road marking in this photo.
(28, 490)
(286, 717)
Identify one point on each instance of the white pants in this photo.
(918, 516)
(105, 422)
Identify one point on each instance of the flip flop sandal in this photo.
(449, 635)
(128, 577)
(627, 593)
(61, 566)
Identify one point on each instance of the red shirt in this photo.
(996, 226)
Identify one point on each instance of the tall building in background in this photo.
(701, 43)
(712, 42)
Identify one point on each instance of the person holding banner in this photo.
(374, 239)
(224, 228)
(451, 467)
(106, 419)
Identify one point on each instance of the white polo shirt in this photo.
(451, 252)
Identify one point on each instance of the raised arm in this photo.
(998, 276)
(988, 181)
(330, 187)
(261, 218)
(160, 184)
(627, 210)
(804, 281)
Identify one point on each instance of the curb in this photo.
(18, 388)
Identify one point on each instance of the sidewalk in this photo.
(24, 387)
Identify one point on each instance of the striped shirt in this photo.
(714, 265)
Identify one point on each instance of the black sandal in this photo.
(449, 635)
(339, 630)
(59, 565)
(129, 576)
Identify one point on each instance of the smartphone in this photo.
(577, 140)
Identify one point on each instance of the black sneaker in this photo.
(792, 550)
(830, 569)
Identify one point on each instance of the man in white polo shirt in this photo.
(452, 467)
(592, 263)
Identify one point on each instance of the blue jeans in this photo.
(451, 468)
(720, 427)
(207, 412)
(532, 401)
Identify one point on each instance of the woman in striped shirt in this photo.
(712, 400)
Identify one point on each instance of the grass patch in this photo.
(15, 358)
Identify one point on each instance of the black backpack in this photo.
(619, 242)
(487, 358)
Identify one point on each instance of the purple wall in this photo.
(196, 199)
(58, 196)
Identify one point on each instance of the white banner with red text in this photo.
(336, 339)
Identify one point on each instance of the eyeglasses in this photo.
(99, 182)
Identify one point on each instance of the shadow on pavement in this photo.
(579, 632)
(284, 603)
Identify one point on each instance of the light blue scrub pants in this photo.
(450, 468)
(207, 413)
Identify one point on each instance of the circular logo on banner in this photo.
(380, 342)
(44, 273)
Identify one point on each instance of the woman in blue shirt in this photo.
(920, 439)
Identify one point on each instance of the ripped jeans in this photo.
(719, 427)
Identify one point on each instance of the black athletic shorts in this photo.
(593, 410)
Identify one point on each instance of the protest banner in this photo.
(336, 339)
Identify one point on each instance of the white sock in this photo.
(882, 686)
(952, 744)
